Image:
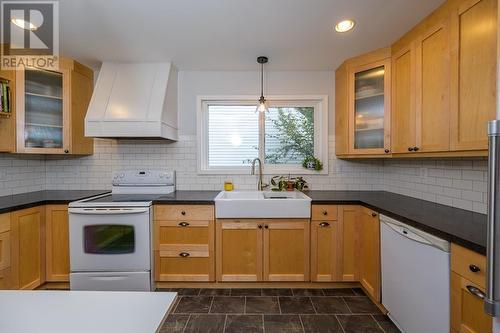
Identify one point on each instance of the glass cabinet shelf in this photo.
(369, 108)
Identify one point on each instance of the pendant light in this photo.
(262, 104)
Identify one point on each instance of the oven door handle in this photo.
(107, 211)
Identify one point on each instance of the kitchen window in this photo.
(231, 134)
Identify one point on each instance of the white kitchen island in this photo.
(83, 311)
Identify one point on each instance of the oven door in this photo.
(110, 239)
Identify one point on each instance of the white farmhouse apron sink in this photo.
(259, 204)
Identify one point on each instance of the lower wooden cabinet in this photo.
(262, 250)
(325, 245)
(27, 231)
(468, 282)
(5, 252)
(349, 253)
(467, 309)
(57, 243)
(184, 243)
(369, 240)
(286, 250)
(239, 250)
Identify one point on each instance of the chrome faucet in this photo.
(260, 185)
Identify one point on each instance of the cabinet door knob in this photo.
(476, 292)
(183, 224)
(260, 226)
(66, 151)
(184, 254)
(410, 148)
(183, 213)
(324, 224)
(374, 214)
(473, 268)
(266, 226)
(387, 151)
(325, 212)
(416, 149)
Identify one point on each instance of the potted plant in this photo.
(312, 163)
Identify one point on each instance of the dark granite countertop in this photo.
(463, 227)
(25, 200)
(188, 198)
(460, 226)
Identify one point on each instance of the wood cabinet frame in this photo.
(261, 249)
(195, 251)
(57, 243)
(387, 106)
(77, 87)
(481, 141)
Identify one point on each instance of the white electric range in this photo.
(110, 234)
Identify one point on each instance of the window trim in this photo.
(320, 103)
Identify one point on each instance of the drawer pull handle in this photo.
(374, 214)
(260, 226)
(324, 224)
(473, 268)
(183, 224)
(325, 213)
(266, 226)
(183, 213)
(476, 292)
(184, 254)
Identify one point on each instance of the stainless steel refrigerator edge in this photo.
(492, 297)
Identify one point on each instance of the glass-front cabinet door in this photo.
(42, 116)
(369, 102)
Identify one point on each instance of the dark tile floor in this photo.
(275, 311)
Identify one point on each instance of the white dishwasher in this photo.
(415, 278)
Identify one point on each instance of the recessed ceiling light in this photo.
(24, 24)
(344, 26)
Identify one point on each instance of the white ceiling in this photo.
(230, 34)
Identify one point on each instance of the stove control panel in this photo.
(144, 178)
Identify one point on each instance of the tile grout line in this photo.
(211, 303)
(187, 321)
(263, 324)
(378, 324)
(314, 308)
(348, 308)
(279, 304)
(225, 322)
(301, 323)
(340, 324)
(245, 306)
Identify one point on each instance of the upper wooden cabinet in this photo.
(443, 86)
(473, 58)
(8, 120)
(421, 93)
(363, 88)
(48, 110)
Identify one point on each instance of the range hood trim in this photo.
(156, 87)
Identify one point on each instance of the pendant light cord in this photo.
(262, 79)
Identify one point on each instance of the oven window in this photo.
(109, 239)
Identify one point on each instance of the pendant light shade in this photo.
(262, 103)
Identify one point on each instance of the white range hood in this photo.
(134, 100)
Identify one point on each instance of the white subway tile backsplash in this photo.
(455, 182)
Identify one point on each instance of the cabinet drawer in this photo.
(184, 251)
(324, 212)
(183, 212)
(4, 250)
(4, 222)
(183, 232)
(467, 309)
(469, 264)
